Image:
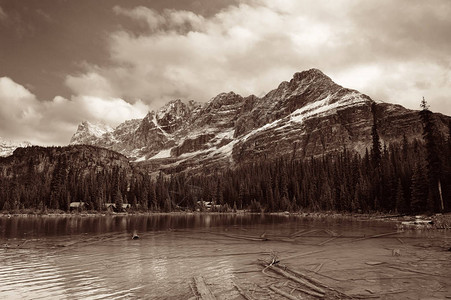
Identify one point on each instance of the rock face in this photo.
(308, 116)
(175, 114)
(7, 147)
(88, 132)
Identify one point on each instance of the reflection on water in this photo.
(95, 258)
(37, 226)
(53, 226)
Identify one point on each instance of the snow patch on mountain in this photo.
(325, 107)
(165, 153)
(263, 128)
(225, 150)
(98, 129)
(228, 134)
(155, 122)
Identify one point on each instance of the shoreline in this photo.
(436, 221)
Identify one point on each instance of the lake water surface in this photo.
(94, 257)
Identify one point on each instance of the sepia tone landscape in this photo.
(225, 150)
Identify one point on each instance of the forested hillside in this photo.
(405, 177)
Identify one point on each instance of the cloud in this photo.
(385, 49)
(188, 56)
(3, 15)
(168, 20)
(18, 107)
(392, 51)
(91, 83)
(403, 83)
(24, 117)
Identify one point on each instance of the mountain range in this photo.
(295, 148)
(308, 116)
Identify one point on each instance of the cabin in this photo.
(204, 204)
(112, 206)
(77, 205)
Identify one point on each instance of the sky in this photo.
(63, 62)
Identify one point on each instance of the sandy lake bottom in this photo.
(223, 256)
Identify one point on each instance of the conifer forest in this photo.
(408, 177)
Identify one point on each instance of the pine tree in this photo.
(118, 200)
(153, 201)
(6, 206)
(167, 204)
(376, 149)
(419, 190)
(434, 166)
(401, 205)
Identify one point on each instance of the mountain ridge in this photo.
(309, 115)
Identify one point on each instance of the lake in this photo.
(182, 256)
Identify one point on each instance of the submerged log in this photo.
(285, 274)
(285, 294)
(329, 240)
(374, 236)
(308, 292)
(305, 233)
(242, 293)
(202, 289)
(319, 283)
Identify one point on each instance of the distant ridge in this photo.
(7, 147)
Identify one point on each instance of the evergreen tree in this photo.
(401, 205)
(6, 206)
(118, 200)
(419, 190)
(376, 149)
(434, 166)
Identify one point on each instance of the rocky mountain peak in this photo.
(301, 84)
(87, 132)
(308, 82)
(150, 115)
(224, 99)
(172, 115)
(173, 106)
(306, 116)
(194, 105)
(312, 74)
